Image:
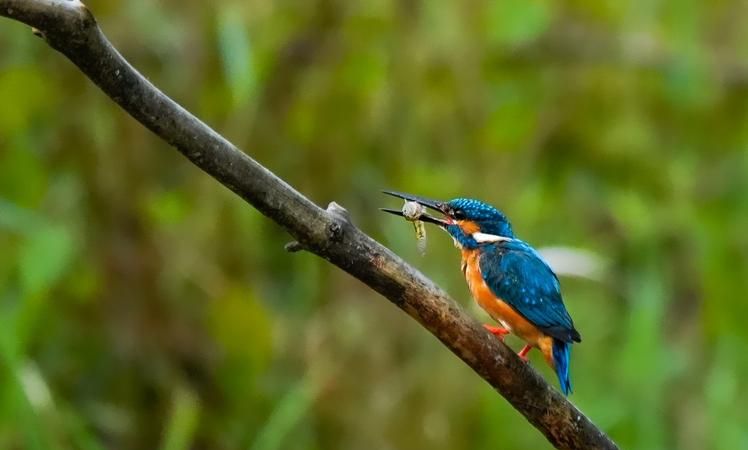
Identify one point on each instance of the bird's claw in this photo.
(496, 331)
(523, 353)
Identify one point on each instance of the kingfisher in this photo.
(507, 278)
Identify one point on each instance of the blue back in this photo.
(517, 274)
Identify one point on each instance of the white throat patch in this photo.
(482, 238)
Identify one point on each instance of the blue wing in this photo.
(517, 274)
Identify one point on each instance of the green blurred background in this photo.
(142, 305)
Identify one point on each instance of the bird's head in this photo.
(470, 222)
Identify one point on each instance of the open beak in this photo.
(433, 204)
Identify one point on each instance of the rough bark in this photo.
(69, 27)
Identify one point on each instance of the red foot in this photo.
(523, 353)
(497, 331)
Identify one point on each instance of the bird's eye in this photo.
(458, 214)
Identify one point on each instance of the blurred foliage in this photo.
(142, 305)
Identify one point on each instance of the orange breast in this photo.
(496, 307)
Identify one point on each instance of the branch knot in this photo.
(341, 219)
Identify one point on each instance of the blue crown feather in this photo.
(489, 219)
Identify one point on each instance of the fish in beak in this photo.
(423, 217)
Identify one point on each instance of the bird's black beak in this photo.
(433, 204)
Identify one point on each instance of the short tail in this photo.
(561, 356)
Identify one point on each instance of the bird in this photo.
(507, 278)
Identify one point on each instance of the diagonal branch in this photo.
(69, 27)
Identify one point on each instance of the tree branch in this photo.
(69, 27)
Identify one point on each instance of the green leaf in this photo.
(25, 93)
(287, 414)
(166, 207)
(183, 421)
(23, 176)
(242, 326)
(236, 55)
(44, 258)
(17, 219)
(515, 22)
